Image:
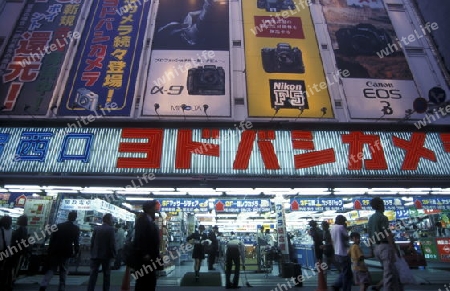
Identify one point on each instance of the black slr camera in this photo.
(282, 59)
(206, 80)
(276, 5)
(362, 39)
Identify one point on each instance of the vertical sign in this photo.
(285, 76)
(281, 229)
(34, 55)
(105, 68)
(379, 82)
(189, 69)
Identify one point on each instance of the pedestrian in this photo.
(63, 245)
(19, 236)
(328, 250)
(235, 251)
(361, 273)
(103, 250)
(198, 239)
(214, 247)
(317, 237)
(6, 262)
(147, 242)
(120, 237)
(383, 245)
(340, 239)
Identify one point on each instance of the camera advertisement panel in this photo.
(285, 75)
(190, 61)
(106, 65)
(33, 58)
(379, 83)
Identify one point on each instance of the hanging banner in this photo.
(436, 203)
(379, 82)
(389, 204)
(316, 204)
(186, 205)
(190, 62)
(34, 56)
(285, 76)
(282, 239)
(102, 80)
(238, 206)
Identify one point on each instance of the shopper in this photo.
(64, 244)
(5, 246)
(340, 238)
(198, 253)
(147, 244)
(214, 247)
(269, 238)
(103, 250)
(328, 250)
(18, 237)
(120, 237)
(317, 237)
(382, 242)
(360, 271)
(235, 251)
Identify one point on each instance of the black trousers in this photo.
(211, 259)
(146, 282)
(232, 257)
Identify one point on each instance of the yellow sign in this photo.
(285, 75)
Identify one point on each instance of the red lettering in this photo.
(414, 150)
(445, 138)
(356, 141)
(303, 140)
(186, 147)
(265, 146)
(152, 148)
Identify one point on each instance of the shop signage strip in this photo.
(190, 61)
(389, 203)
(34, 56)
(103, 76)
(208, 151)
(432, 203)
(316, 204)
(244, 205)
(186, 205)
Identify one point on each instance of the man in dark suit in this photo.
(64, 244)
(103, 249)
(146, 241)
(214, 247)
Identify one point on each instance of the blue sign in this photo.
(389, 203)
(186, 205)
(317, 204)
(103, 75)
(238, 206)
(433, 203)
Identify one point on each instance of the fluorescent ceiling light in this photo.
(133, 192)
(25, 190)
(95, 191)
(22, 187)
(159, 193)
(137, 199)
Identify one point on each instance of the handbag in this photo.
(405, 274)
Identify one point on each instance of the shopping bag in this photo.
(406, 276)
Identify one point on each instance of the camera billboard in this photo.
(285, 75)
(32, 60)
(380, 83)
(106, 65)
(190, 61)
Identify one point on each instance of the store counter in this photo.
(305, 255)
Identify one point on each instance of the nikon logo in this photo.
(286, 86)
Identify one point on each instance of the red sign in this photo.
(443, 248)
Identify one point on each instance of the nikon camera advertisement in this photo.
(189, 71)
(379, 85)
(285, 75)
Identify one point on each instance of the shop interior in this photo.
(419, 217)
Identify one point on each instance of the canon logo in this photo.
(379, 84)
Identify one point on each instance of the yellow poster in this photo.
(285, 75)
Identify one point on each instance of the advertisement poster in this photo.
(379, 84)
(443, 249)
(190, 62)
(33, 58)
(102, 80)
(285, 75)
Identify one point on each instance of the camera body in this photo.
(282, 59)
(206, 80)
(276, 5)
(362, 39)
(87, 99)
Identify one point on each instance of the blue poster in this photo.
(103, 76)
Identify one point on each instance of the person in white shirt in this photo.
(340, 239)
(235, 250)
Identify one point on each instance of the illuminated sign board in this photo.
(276, 153)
